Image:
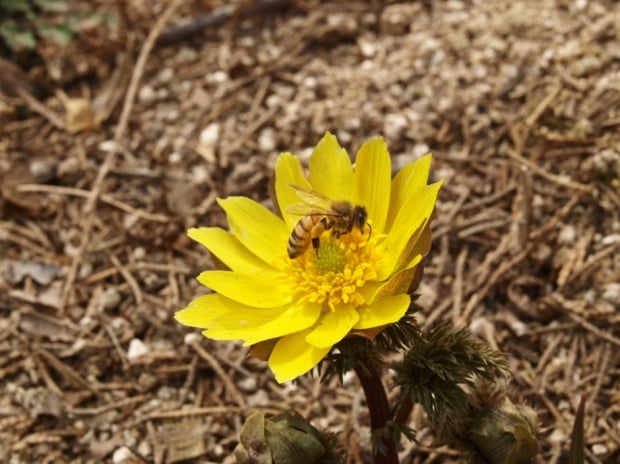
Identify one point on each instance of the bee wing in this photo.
(315, 199)
(304, 209)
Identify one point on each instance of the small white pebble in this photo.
(110, 298)
(247, 384)
(146, 94)
(175, 157)
(567, 235)
(267, 140)
(258, 399)
(394, 125)
(368, 49)
(122, 455)
(610, 239)
(599, 449)
(106, 145)
(191, 338)
(166, 75)
(310, 82)
(611, 292)
(218, 77)
(210, 134)
(420, 149)
(200, 174)
(172, 115)
(136, 348)
(144, 448)
(139, 253)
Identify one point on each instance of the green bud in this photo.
(286, 438)
(505, 433)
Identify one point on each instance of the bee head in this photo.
(359, 216)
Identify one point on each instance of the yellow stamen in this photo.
(334, 274)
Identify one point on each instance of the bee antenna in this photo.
(369, 229)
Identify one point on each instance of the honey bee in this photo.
(318, 214)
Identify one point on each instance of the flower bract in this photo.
(293, 311)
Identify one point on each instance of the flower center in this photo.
(334, 273)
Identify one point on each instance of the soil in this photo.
(113, 146)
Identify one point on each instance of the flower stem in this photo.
(378, 407)
(404, 410)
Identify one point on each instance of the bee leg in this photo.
(316, 241)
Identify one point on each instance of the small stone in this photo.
(136, 348)
(122, 455)
(567, 235)
(394, 125)
(106, 145)
(247, 384)
(207, 142)
(368, 49)
(139, 253)
(610, 239)
(191, 338)
(218, 77)
(43, 169)
(396, 19)
(611, 292)
(166, 393)
(210, 135)
(172, 115)
(144, 448)
(147, 381)
(267, 140)
(146, 94)
(110, 298)
(165, 75)
(175, 157)
(200, 174)
(258, 399)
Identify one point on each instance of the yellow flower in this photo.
(294, 311)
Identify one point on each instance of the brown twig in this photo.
(106, 198)
(213, 362)
(560, 180)
(502, 270)
(111, 156)
(222, 15)
(133, 285)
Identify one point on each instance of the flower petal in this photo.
(408, 222)
(372, 181)
(382, 312)
(330, 169)
(293, 356)
(202, 310)
(421, 245)
(289, 172)
(333, 327)
(258, 292)
(408, 180)
(296, 318)
(257, 228)
(228, 249)
(398, 282)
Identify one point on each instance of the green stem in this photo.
(378, 407)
